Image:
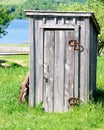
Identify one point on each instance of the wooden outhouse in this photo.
(63, 56)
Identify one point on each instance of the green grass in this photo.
(10, 60)
(100, 72)
(16, 116)
(12, 2)
(20, 45)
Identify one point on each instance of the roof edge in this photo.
(30, 13)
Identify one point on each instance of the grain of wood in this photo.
(57, 71)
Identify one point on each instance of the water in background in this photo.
(17, 32)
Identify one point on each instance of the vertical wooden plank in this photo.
(81, 22)
(84, 84)
(59, 70)
(87, 56)
(69, 68)
(39, 61)
(95, 60)
(49, 44)
(45, 69)
(76, 65)
(93, 56)
(51, 70)
(91, 59)
(32, 80)
(41, 78)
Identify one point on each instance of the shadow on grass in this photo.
(6, 64)
(99, 96)
(2, 61)
(15, 65)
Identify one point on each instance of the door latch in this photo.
(76, 45)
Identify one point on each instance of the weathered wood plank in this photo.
(69, 69)
(59, 70)
(84, 89)
(95, 61)
(39, 61)
(82, 56)
(91, 58)
(76, 65)
(87, 62)
(45, 74)
(49, 69)
(57, 26)
(32, 80)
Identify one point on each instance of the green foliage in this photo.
(35, 5)
(19, 6)
(19, 2)
(90, 6)
(5, 18)
(16, 116)
(12, 2)
(38, 5)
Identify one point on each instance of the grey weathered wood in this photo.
(65, 14)
(39, 63)
(57, 26)
(57, 71)
(93, 55)
(42, 63)
(95, 62)
(76, 63)
(69, 69)
(49, 69)
(32, 80)
(81, 22)
(85, 63)
(91, 58)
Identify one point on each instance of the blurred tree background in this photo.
(97, 6)
(5, 18)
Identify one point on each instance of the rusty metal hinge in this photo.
(76, 45)
(74, 101)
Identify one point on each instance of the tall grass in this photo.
(16, 116)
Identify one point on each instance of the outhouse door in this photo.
(60, 68)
